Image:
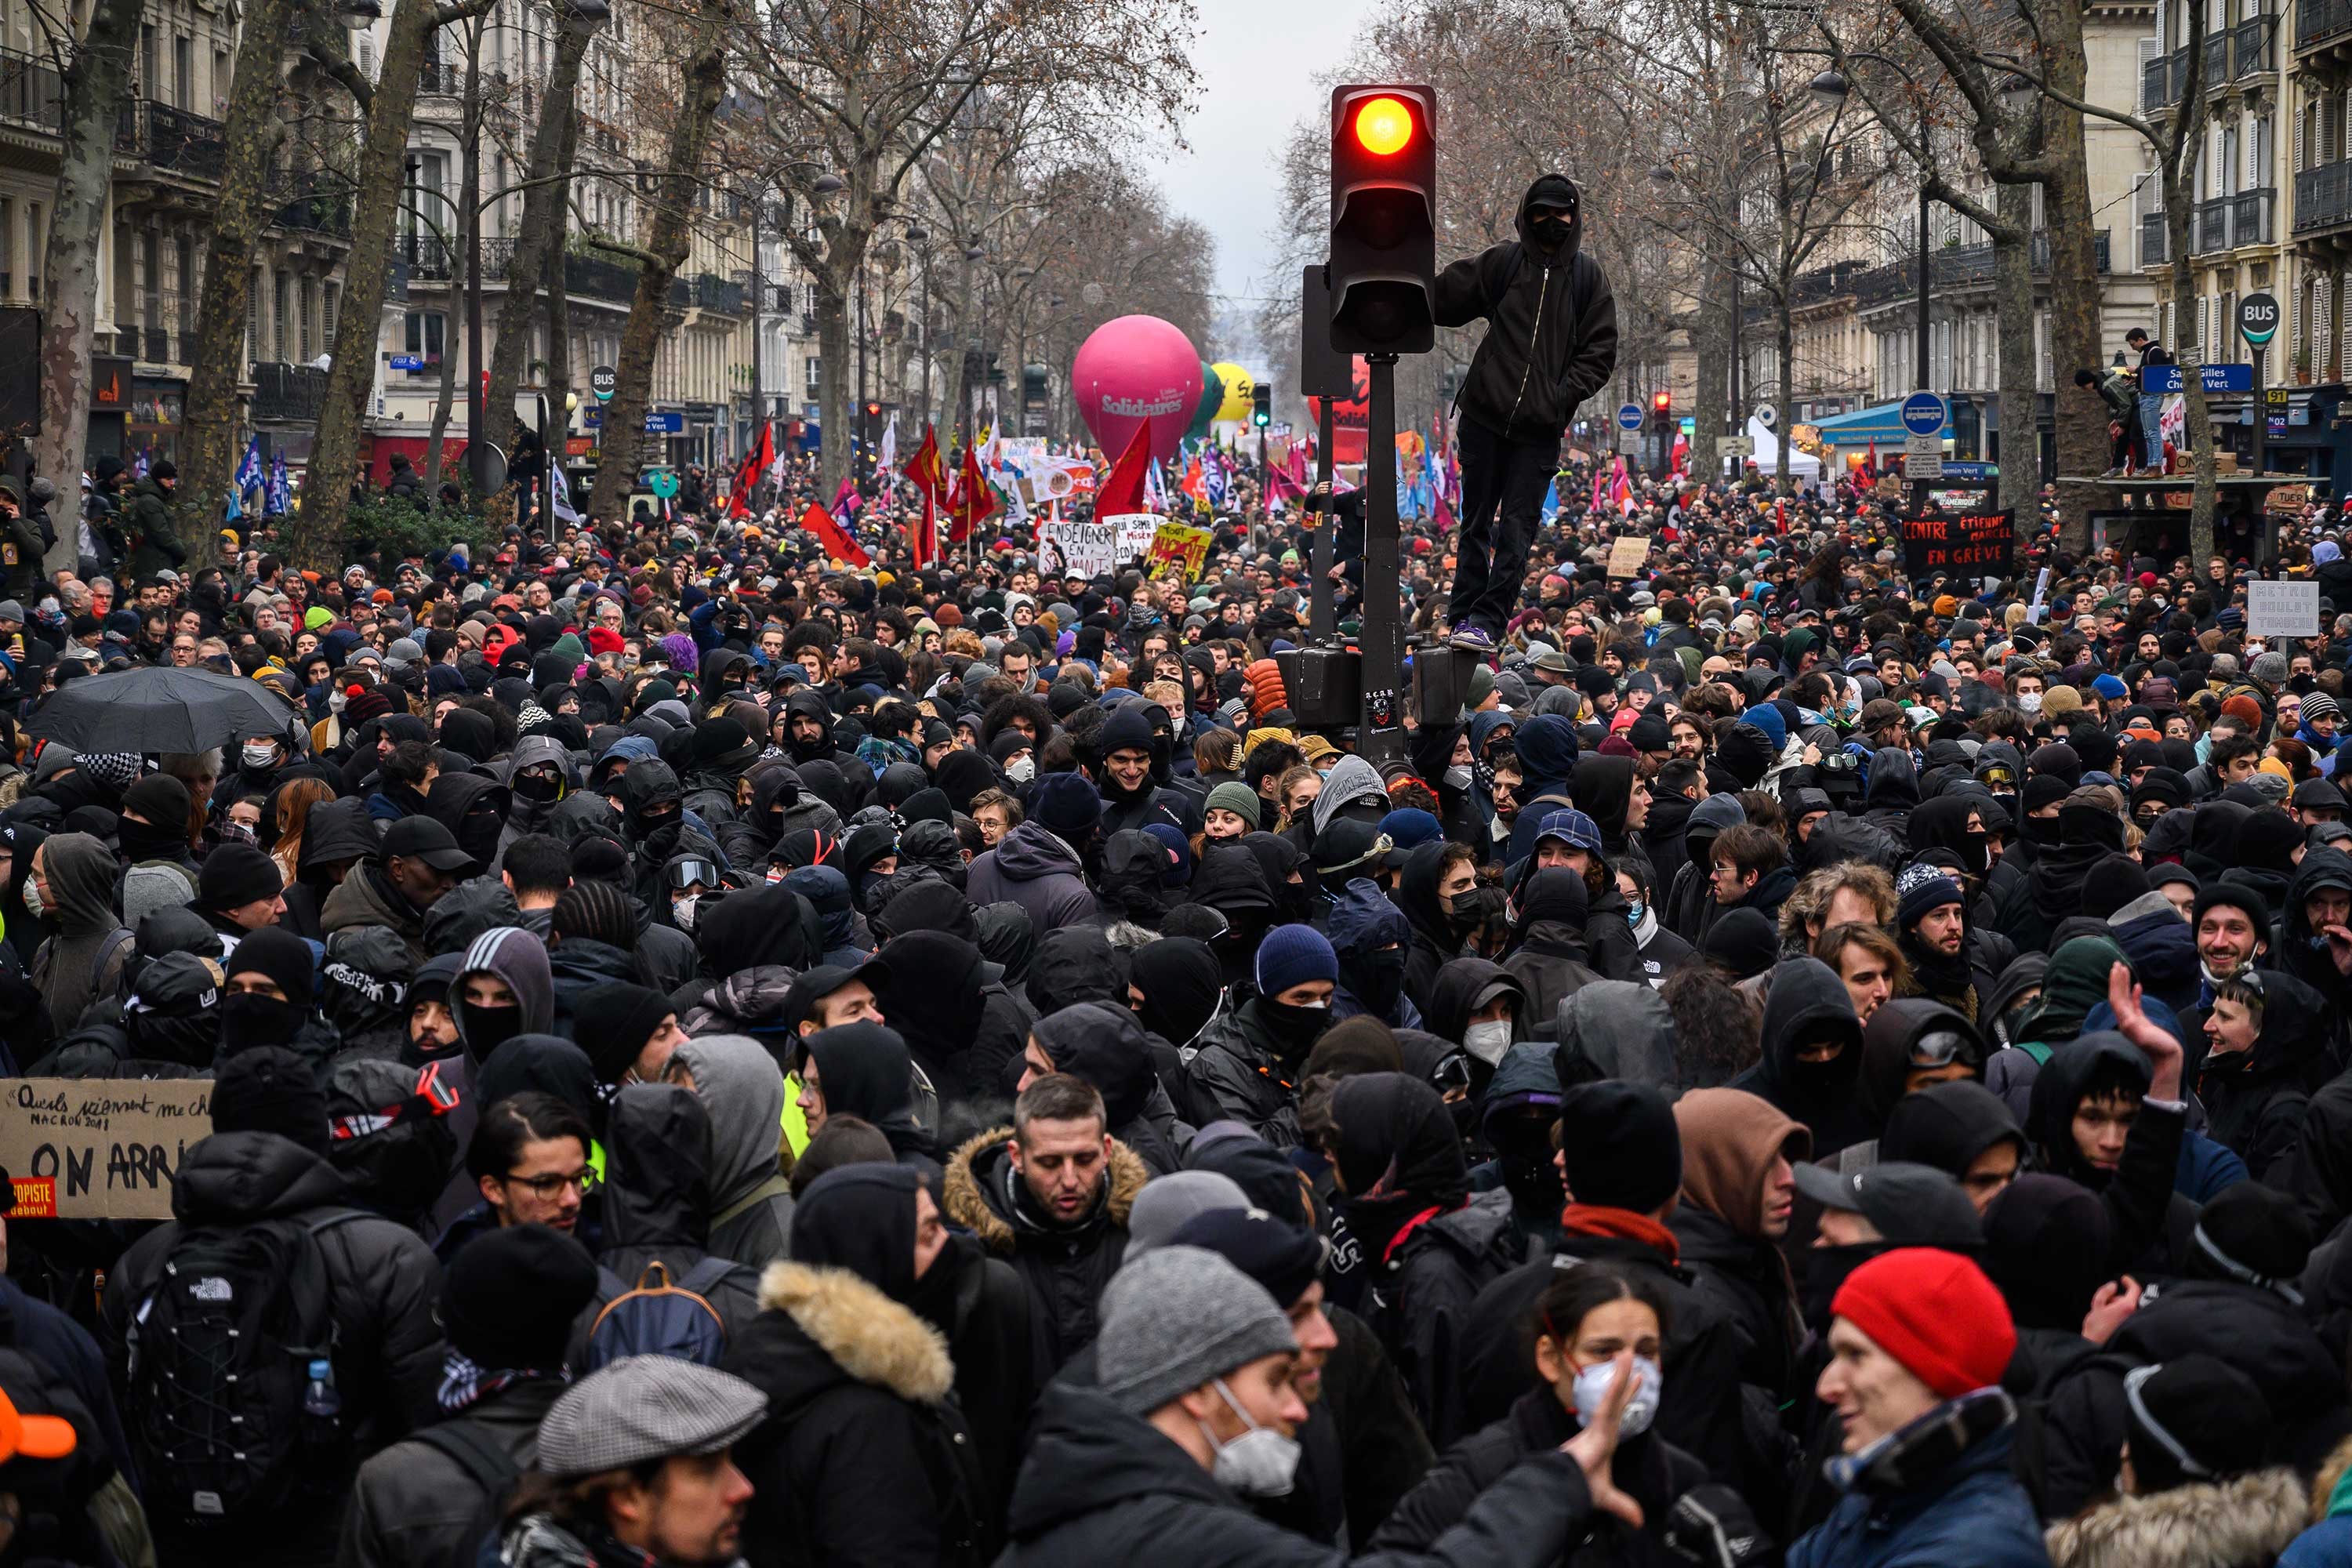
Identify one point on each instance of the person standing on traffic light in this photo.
(1551, 342)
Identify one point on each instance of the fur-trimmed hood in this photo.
(867, 1335)
(978, 1195)
(2243, 1522)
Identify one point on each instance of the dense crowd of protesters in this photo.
(715, 1053)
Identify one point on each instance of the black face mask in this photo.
(248, 1019)
(1376, 980)
(661, 836)
(1976, 853)
(1549, 231)
(150, 841)
(537, 789)
(2041, 831)
(1826, 1269)
(487, 1028)
(1535, 1186)
(1295, 1029)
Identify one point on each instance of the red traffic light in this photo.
(1661, 401)
(1383, 126)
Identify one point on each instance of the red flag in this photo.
(925, 470)
(923, 537)
(837, 543)
(757, 457)
(1122, 492)
(974, 502)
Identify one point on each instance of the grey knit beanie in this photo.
(1177, 1318)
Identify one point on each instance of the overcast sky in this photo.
(1256, 60)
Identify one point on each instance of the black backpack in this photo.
(218, 1377)
(488, 1466)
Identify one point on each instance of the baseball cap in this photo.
(1908, 1205)
(423, 839)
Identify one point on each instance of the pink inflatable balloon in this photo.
(1134, 371)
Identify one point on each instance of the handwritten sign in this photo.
(1182, 546)
(1972, 544)
(1626, 555)
(99, 1148)
(2283, 609)
(1085, 548)
(1135, 531)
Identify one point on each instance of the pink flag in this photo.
(844, 499)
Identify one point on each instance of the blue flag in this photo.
(1551, 499)
(277, 496)
(248, 467)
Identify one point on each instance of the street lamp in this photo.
(1829, 89)
(919, 237)
(827, 185)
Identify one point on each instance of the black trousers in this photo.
(1503, 485)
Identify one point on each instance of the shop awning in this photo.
(1883, 425)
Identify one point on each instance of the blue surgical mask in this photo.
(1634, 911)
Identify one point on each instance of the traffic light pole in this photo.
(1321, 592)
(1380, 738)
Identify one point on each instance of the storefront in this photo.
(110, 393)
(153, 428)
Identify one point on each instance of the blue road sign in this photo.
(671, 422)
(1926, 414)
(1629, 416)
(2216, 378)
(408, 361)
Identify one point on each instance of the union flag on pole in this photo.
(973, 503)
(836, 539)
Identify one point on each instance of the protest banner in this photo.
(99, 1148)
(1182, 546)
(1135, 530)
(1626, 555)
(2283, 609)
(1087, 549)
(1969, 544)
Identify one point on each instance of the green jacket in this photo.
(147, 523)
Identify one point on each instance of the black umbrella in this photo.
(160, 710)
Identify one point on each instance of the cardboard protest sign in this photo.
(1087, 549)
(1969, 544)
(1134, 534)
(1626, 555)
(1181, 545)
(99, 1148)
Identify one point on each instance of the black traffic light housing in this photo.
(1662, 409)
(1261, 406)
(1384, 266)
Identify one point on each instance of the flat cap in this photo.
(642, 1408)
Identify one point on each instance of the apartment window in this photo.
(151, 289)
(36, 250)
(309, 319)
(151, 78)
(220, 85)
(7, 249)
(281, 287)
(334, 299)
(183, 71)
(426, 334)
(253, 316)
(812, 367)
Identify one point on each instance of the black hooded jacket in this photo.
(1551, 336)
(1105, 1045)
(2147, 1220)
(656, 1204)
(1809, 1003)
(2255, 1100)
(867, 1072)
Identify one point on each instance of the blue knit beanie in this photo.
(1292, 956)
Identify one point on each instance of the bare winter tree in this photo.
(860, 96)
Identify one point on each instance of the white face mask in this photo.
(2029, 702)
(1261, 1462)
(33, 897)
(1641, 1409)
(1458, 777)
(261, 755)
(1021, 770)
(682, 911)
(1488, 1041)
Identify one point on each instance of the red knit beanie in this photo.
(1935, 1312)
